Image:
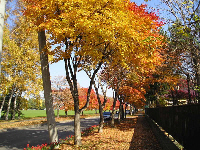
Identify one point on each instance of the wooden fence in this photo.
(182, 122)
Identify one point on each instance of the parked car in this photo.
(116, 115)
(128, 112)
(106, 115)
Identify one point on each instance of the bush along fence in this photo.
(182, 122)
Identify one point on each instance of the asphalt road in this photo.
(18, 138)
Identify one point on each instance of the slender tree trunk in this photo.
(101, 106)
(53, 135)
(65, 112)
(115, 96)
(197, 73)
(198, 81)
(100, 111)
(77, 124)
(125, 111)
(2, 12)
(101, 118)
(18, 107)
(188, 84)
(15, 106)
(71, 69)
(172, 92)
(131, 110)
(176, 99)
(72, 81)
(2, 104)
(120, 112)
(9, 102)
(58, 111)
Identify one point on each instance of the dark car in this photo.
(107, 115)
(128, 112)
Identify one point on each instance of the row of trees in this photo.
(118, 39)
(20, 65)
(182, 53)
(184, 41)
(117, 43)
(62, 97)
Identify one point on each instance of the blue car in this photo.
(107, 115)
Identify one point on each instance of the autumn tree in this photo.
(114, 77)
(23, 57)
(59, 83)
(68, 100)
(87, 31)
(186, 25)
(98, 85)
(19, 61)
(93, 104)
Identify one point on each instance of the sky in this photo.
(58, 69)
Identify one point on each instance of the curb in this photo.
(22, 127)
(164, 141)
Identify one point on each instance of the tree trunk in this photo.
(172, 92)
(101, 106)
(188, 84)
(125, 111)
(4, 99)
(58, 111)
(115, 96)
(2, 12)
(197, 73)
(65, 112)
(101, 118)
(9, 102)
(176, 99)
(72, 81)
(122, 111)
(14, 107)
(131, 110)
(198, 81)
(77, 124)
(53, 135)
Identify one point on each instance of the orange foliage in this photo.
(93, 104)
(132, 95)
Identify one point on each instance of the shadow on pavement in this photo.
(143, 137)
(18, 138)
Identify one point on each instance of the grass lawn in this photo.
(42, 113)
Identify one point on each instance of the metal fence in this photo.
(182, 122)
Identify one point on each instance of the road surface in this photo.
(18, 138)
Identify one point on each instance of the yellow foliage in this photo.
(98, 28)
(20, 59)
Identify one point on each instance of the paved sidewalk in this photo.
(143, 137)
(147, 136)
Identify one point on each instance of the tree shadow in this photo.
(123, 125)
(18, 138)
(143, 137)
